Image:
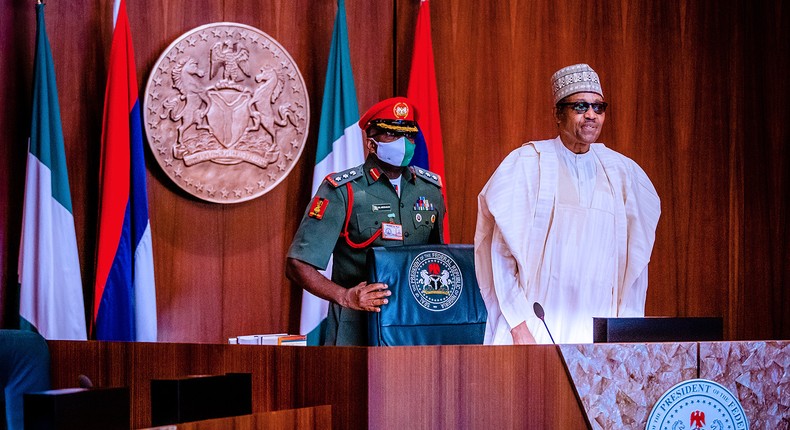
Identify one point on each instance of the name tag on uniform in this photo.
(391, 231)
(380, 207)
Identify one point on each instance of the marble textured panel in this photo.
(619, 383)
(758, 373)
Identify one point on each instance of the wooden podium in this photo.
(442, 387)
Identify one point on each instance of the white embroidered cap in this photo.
(578, 78)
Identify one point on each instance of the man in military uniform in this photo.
(380, 203)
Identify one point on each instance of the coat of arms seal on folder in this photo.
(226, 112)
(435, 280)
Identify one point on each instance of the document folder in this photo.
(435, 298)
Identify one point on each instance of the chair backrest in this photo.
(435, 298)
(24, 368)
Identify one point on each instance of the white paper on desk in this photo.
(260, 339)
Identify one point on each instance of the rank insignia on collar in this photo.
(344, 177)
(375, 174)
(318, 207)
(426, 175)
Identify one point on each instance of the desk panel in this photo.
(434, 387)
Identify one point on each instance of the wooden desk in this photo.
(314, 418)
(438, 387)
(430, 387)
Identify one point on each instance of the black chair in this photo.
(435, 298)
(24, 368)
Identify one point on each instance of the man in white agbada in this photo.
(565, 222)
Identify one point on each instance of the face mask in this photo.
(395, 153)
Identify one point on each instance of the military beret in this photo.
(396, 114)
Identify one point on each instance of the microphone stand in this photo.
(540, 314)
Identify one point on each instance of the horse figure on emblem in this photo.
(435, 280)
(261, 105)
(186, 77)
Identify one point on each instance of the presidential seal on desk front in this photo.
(697, 404)
(226, 112)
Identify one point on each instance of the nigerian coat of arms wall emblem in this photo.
(226, 112)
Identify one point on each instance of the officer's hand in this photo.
(366, 297)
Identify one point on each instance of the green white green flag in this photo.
(49, 269)
(339, 146)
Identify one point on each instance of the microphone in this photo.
(84, 381)
(539, 313)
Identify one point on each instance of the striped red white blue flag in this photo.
(124, 306)
(423, 92)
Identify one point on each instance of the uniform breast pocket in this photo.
(368, 223)
(424, 222)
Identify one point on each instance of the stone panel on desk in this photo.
(758, 373)
(619, 383)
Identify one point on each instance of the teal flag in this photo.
(339, 146)
(50, 283)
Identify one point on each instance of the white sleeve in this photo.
(496, 263)
(511, 295)
(497, 277)
(643, 209)
(632, 302)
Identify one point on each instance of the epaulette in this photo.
(348, 175)
(427, 175)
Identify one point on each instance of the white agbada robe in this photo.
(572, 232)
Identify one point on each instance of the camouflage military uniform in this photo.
(419, 210)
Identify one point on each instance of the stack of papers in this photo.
(270, 339)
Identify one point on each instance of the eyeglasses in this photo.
(396, 134)
(582, 107)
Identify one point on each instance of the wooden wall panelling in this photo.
(195, 304)
(254, 245)
(16, 65)
(243, 288)
(78, 78)
(703, 272)
(259, 231)
(764, 311)
(667, 134)
(370, 34)
(669, 71)
(656, 61)
(478, 84)
(187, 234)
(80, 91)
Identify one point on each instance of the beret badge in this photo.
(400, 110)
